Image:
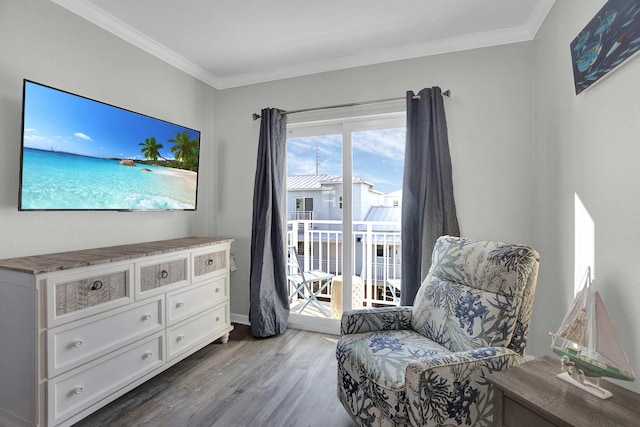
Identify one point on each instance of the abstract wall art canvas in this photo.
(609, 39)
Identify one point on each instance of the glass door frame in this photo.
(344, 127)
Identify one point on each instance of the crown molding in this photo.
(538, 16)
(119, 28)
(449, 45)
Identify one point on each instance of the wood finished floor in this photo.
(288, 380)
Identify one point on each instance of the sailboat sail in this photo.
(587, 337)
(607, 343)
(574, 325)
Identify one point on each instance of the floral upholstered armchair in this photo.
(426, 365)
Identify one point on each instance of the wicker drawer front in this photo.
(88, 292)
(209, 263)
(162, 274)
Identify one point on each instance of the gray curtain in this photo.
(428, 208)
(269, 299)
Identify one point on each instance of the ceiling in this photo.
(230, 43)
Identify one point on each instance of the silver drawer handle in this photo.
(96, 285)
(217, 318)
(217, 290)
(77, 343)
(180, 338)
(77, 390)
(164, 274)
(180, 305)
(209, 261)
(147, 355)
(146, 317)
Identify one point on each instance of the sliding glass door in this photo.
(348, 232)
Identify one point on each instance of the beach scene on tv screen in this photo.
(83, 154)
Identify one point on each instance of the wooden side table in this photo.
(531, 395)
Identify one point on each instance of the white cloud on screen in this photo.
(82, 136)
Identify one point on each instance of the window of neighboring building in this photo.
(304, 204)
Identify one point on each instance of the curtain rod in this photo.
(351, 104)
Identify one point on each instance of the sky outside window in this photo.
(378, 156)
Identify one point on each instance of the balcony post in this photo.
(369, 256)
(307, 236)
(294, 233)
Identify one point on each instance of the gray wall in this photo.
(43, 42)
(490, 132)
(586, 145)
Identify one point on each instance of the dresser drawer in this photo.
(207, 264)
(76, 390)
(78, 342)
(184, 304)
(85, 293)
(162, 274)
(187, 334)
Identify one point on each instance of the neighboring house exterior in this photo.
(314, 199)
(393, 199)
(319, 196)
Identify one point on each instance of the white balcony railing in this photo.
(299, 215)
(376, 254)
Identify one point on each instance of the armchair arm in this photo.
(375, 319)
(453, 386)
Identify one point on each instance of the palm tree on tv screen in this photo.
(186, 150)
(151, 148)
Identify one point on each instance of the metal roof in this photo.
(385, 218)
(316, 181)
(310, 182)
(383, 214)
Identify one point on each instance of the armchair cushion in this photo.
(408, 378)
(472, 295)
(378, 361)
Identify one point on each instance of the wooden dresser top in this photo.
(47, 263)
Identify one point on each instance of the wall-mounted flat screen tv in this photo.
(82, 154)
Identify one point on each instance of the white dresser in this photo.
(79, 329)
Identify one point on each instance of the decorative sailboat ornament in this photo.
(588, 344)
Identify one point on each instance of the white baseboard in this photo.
(242, 319)
(296, 321)
(10, 420)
